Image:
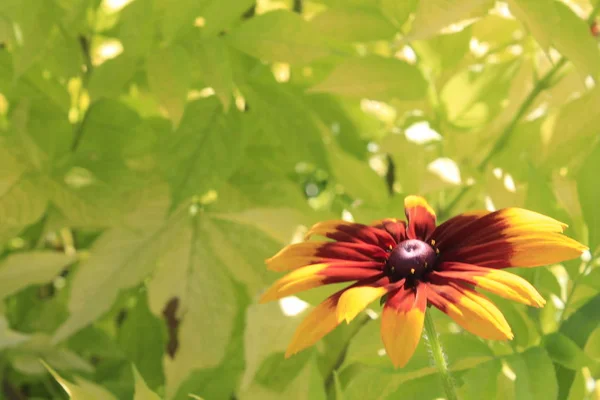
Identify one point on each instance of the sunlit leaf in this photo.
(204, 151)
(21, 270)
(280, 36)
(589, 196)
(169, 77)
(142, 391)
(145, 351)
(82, 389)
(193, 290)
(220, 14)
(374, 77)
(121, 258)
(216, 67)
(433, 15)
(354, 25)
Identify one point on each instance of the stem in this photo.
(506, 134)
(85, 49)
(438, 357)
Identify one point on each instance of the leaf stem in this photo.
(438, 357)
(85, 49)
(506, 134)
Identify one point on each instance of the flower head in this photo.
(415, 264)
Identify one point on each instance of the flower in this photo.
(416, 264)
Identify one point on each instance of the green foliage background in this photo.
(153, 153)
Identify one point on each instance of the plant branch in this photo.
(298, 6)
(438, 357)
(85, 49)
(506, 134)
(541, 85)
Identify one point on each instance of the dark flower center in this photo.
(410, 259)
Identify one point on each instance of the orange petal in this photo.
(356, 299)
(395, 227)
(471, 310)
(507, 222)
(307, 253)
(344, 231)
(320, 274)
(502, 283)
(421, 217)
(522, 250)
(509, 237)
(321, 320)
(447, 231)
(402, 323)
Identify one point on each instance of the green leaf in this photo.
(280, 36)
(21, 205)
(573, 39)
(8, 337)
(443, 52)
(243, 249)
(565, 352)
(540, 19)
(307, 385)
(398, 11)
(217, 72)
(142, 391)
(481, 380)
(145, 350)
(120, 259)
(176, 21)
(268, 332)
(354, 24)
(287, 124)
(433, 15)
(472, 97)
(357, 178)
(108, 126)
(36, 22)
(204, 151)
(589, 196)
(376, 78)
(169, 77)
(219, 15)
(109, 79)
(574, 128)
(279, 224)
(20, 270)
(222, 381)
(26, 357)
(82, 389)
(192, 288)
(554, 23)
(137, 28)
(528, 368)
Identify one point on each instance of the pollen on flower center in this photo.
(410, 259)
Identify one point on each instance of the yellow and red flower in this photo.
(415, 264)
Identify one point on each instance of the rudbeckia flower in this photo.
(416, 264)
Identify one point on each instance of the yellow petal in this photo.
(356, 299)
(401, 327)
(296, 281)
(480, 316)
(321, 320)
(510, 286)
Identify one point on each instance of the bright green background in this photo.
(153, 154)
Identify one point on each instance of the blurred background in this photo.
(153, 153)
